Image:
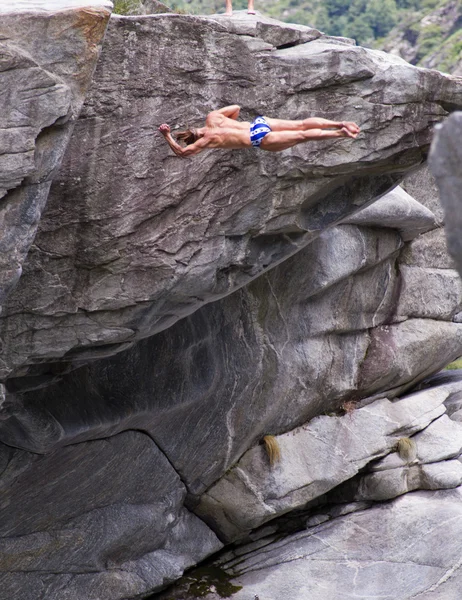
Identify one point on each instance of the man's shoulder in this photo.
(214, 117)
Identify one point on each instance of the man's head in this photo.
(188, 137)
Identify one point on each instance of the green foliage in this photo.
(381, 16)
(429, 39)
(457, 364)
(126, 7)
(451, 52)
(411, 4)
(360, 30)
(367, 21)
(336, 8)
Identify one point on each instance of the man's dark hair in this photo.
(188, 137)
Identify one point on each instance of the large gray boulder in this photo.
(72, 524)
(319, 333)
(134, 238)
(315, 458)
(48, 54)
(398, 550)
(138, 437)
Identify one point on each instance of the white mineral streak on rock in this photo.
(384, 485)
(159, 238)
(314, 459)
(134, 242)
(408, 548)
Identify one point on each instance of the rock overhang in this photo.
(136, 233)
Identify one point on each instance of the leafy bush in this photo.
(430, 38)
(367, 21)
(126, 7)
(450, 53)
(457, 364)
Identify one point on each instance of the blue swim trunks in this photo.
(258, 129)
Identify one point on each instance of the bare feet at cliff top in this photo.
(229, 8)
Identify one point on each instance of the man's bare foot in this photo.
(351, 126)
(251, 12)
(229, 14)
(348, 133)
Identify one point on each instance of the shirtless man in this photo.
(222, 130)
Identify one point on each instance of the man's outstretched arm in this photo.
(179, 150)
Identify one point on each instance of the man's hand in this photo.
(164, 129)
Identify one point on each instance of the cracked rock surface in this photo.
(104, 519)
(134, 239)
(172, 313)
(445, 166)
(408, 548)
(48, 54)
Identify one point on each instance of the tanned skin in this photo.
(223, 130)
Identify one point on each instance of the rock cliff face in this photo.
(445, 163)
(133, 240)
(47, 60)
(172, 313)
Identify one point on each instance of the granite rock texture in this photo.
(172, 313)
(406, 548)
(134, 239)
(105, 519)
(350, 543)
(315, 458)
(319, 333)
(445, 165)
(48, 55)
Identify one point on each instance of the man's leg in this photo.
(229, 8)
(276, 141)
(310, 123)
(285, 125)
(250, 7)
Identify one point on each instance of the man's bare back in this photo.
(222, 130)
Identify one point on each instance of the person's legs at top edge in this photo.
(229, 8)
